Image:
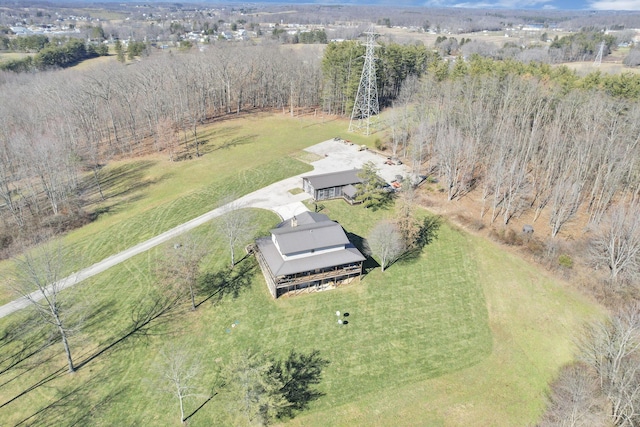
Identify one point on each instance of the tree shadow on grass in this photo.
(427, 233)
(73, 405)
(119, 180)
(143, 316)
(21, 340)
(186, 419)
(215, 286)
(220, 132)
(298, 374)
(46, 379)
(146, 317)
(24, 343)
(234, 142)
(120, 185)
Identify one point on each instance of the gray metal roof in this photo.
(280, 267)
(313, 232)
(334, 179)
(304, 218)
(350, 191)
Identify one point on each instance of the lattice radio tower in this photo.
(366, 102)
(598, 60)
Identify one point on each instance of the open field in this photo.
(584, 68)
(498, 38)
(147, 196)
(8, 56)
(94, 62)
(466, 334)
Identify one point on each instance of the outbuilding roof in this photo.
(334, 179)
(350, 191)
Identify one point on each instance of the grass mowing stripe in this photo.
(465, 333)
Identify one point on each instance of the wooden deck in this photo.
(306, 282)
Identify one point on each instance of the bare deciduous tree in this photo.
(456, 160)
(616, 244)
(38, 279)
(181, 265)
(236, 225)
(179, 372)
(166, 137)
(385, 242)
(575, 400)
(612, 349)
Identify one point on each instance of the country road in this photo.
(335, 156)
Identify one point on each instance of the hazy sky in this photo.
(545, 4)
(486, 4)
(535, 4)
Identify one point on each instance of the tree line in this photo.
(342, 67)
(50, 56)
(77, 120)
(602, 387)
(526, 137)
(523, 146)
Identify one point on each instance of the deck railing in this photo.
(297, 280)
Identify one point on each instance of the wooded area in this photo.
(76, 121)
(528, 137)
(525, 138)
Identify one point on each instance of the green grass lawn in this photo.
(466, 334)
(9, 56)
(146, 197)
(463, 335)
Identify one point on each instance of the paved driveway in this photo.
(335, 156)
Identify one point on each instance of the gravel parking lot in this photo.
(335, 156)
(340, 156)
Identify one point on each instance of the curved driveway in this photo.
(335, 156)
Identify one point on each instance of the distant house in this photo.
(308, 252)
(332, 185)
(21, 31)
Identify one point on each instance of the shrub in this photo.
(565, 261)
(507, 236)
(536, 247)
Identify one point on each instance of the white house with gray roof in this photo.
(308, 252)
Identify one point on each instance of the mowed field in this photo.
(10, 56)
(464, 334)
(147, 196)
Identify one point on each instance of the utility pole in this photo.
(366, 102)
(598, 60)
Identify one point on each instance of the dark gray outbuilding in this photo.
(332, 185)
